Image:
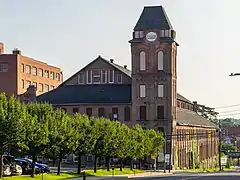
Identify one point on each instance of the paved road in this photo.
(202, 176)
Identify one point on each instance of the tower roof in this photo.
(153, 17)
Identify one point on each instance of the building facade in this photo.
(18, 72)
(146, 95)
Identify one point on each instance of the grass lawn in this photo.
(104, 172)
(45, 177)
(207, 170)
(53, 176)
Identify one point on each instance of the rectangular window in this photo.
(22, 67)
(137, 34)
(96, 76)
(40, 87)
(101, 112)
(115, 113)
(143, 113)
(4, 67)
(160, 60)
(35, 85)
(34, 71)
(166, 33)
(104, 76)
(160, 112)
(40, 72)
(58, 76)
(142, 91)
(81, 78)
(160, 90)
(161, 33)
(46, 74)
(51, 75)
(51, 87)
(23, 85)
(142, 61)
(46, 87)
(141, 34)
(119, 78)
(75, 110)
(89, 112)
(28, 69)
(111, 76)
(28, 83)
(89, 77)
(127, 114)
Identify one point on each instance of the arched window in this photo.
(160, 60)
(142, 61)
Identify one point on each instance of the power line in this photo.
(220, 107)
(224, 112)
(229, 114)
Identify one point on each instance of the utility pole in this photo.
(219, 145)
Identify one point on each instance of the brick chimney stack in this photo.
(1, 48)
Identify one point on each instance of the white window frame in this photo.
(109, 75)
(89, 78)
(27, 85)
(28, 69)
(34, 71)
(34, 84)
(119, 78)
(160, 58)
(142, 90)
(160, 90)
(104, 74)
(141, 34)
(40, 72)
(142, 61)
(97, 76)
(166, 33)
(161, 33)
(81, 74)
(41, 89)
(137, 34)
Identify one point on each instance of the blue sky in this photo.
(71, 33)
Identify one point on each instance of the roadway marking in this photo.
(190, 178)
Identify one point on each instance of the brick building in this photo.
(146, 95)
(17, 72)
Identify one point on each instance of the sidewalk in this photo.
(127, 176)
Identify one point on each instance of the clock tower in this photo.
(154, 76)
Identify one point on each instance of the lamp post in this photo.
(219, 145)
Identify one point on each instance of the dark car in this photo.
(26, 166)
(43, 167)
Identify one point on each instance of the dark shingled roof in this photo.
(153, 17)
(88, 94)
(191, 118)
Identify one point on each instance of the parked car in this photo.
(14, 167)
(27, 166)
(43, 167)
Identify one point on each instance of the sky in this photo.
(71, 33)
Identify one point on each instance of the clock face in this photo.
(151, 36)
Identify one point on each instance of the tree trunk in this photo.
(95, 164)
(79, 163)
(54, 162)
(1, 162)
(139, 163)
(121, 164)
(59, 163)
(33, 165)
(108, 163)
(131, 166)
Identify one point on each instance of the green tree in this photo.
(12, 118)
(85, 138)
(63, 135)
(39, 115)
(229, 148)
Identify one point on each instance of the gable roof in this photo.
(153, 17)
(88, 94)
(99, 58)
(191, 118)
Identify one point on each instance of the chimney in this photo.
(111, 60)
(16, 51)
(125, 66)
(195, 106)
(1, 48)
